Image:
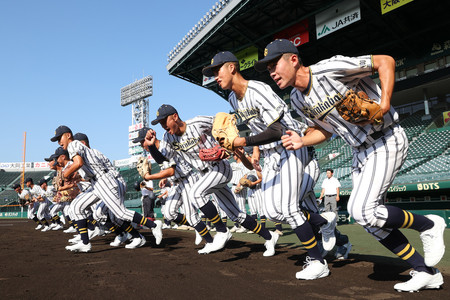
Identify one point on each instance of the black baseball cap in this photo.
(274, 50)
(141, 135)
(42, 181)
(29, 179)
(52, 157)
(15, 186)
(59, 132)
(163, 112)
(218, 60)
(80, 137)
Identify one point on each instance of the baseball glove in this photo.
(357, 108)
(224, 130)
(142, 166)
(245, 182)
(213, 154)
(238, 189)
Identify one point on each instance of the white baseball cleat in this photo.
(343, 251)
(119, 239)
(241, 230)
(207, 249)
(327, 230)
(433, 241)
(165, 226)
(46, 228)
(157, 232)
(419, 281)
(136, 242)
(79, 247)
(53, 225)
(70, 230)
(38, 227)
(58, 227)
(76, 239)
(198, 238)
(270, 244)
(93, 233)
(313, 269)
(233, 229)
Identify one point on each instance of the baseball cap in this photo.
(219, 59)
(163, 112)
(52, 157)
(274, 50)
(60, 151)
(29, 179)
(59, 132)
(42, 181)
(141, 135)
(80, 137)
(15, 186)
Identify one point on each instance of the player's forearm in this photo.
(315, 136)
(161, 174)
(272, 133)
(385, 65)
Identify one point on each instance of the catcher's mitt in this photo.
(224, 130)
(213, 154)
(245, 182)
(142, 166)
(357, 108)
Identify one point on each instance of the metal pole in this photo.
(23, 167)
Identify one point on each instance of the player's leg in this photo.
(383, 161)
(281, 191)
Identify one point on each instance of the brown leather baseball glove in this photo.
(213, 154)
(358, 109)
(224, 130)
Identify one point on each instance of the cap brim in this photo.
(138, 140)
(261, 65)
(55, 138)
(156, 121)
(207, 71)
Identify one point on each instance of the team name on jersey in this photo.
(247, 114)
(323, 108)
(186, 145)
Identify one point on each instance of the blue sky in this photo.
(64, 62)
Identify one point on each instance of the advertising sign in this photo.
(337, 17)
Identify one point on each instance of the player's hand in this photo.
(292, 141)
(255, 162)
(162, 183)
(150, 138)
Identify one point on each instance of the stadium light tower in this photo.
(137, 94)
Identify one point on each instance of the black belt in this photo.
(376, 136)
(330, 195)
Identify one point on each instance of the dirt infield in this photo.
(35, 265)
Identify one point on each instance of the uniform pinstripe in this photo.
(259, 108)
(239, 171)
(376, 161)
(214, 175)
(107, 184)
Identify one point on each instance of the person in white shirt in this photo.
(330, 190)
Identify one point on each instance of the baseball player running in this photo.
(182, 178)
(379, 147)
(40, 202)
(25, 199)
(268, 117)
(184, 139)
(107, 185)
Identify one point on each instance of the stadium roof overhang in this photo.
(407, 32)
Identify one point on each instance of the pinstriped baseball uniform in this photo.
(182, 181)
(239, 171)
(107, 184)
(214, 175)
(42, 209)
(310, 177)
(259, 108)
(31, 209)
(378, 151)
(254, 198)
